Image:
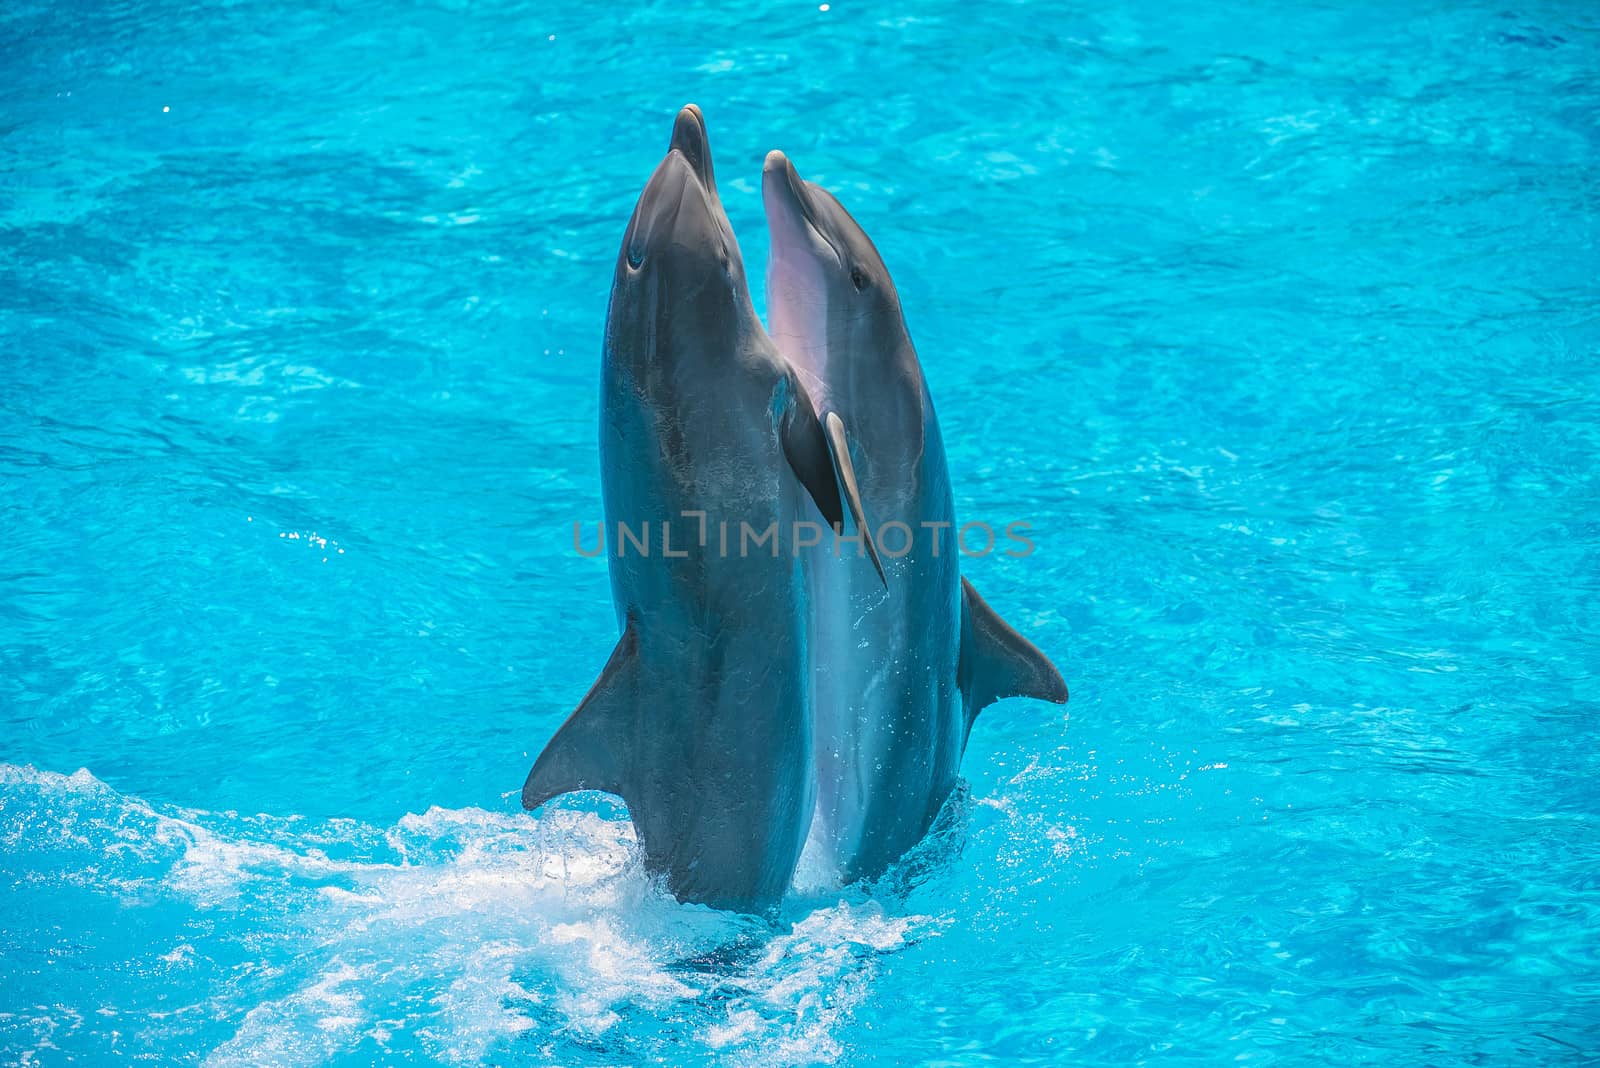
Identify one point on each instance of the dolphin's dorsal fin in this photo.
(819, 455)
(998, 662)
(585, 753)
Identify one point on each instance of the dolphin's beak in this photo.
(782, 194)
(790, 216)
(689, 140)
(663, 197)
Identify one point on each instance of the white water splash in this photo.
(456, 935)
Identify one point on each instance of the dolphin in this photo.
(701, 720)
(900, 678)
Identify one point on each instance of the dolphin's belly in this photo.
(888, 710)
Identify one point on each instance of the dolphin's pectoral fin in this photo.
(586, 753)
(818, 454)
(839, 451)
(998, 662)
(805, 446)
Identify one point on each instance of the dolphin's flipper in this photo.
(585, 753)
(820, 457)
(998, 662)
(839, 449)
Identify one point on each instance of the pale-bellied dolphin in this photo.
(899, 679)
(701, 720)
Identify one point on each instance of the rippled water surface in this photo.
(1281, 330)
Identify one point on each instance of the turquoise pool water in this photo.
(1281, 329)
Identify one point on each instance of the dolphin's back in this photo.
(711, 754)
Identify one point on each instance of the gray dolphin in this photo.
(701, 720)
(899, 679)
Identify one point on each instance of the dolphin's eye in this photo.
(858, 279)
(635, 255)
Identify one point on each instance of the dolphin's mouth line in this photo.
(659, 216)
(681, 154)
(814, 228)
(807, 213)
(801, 200)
